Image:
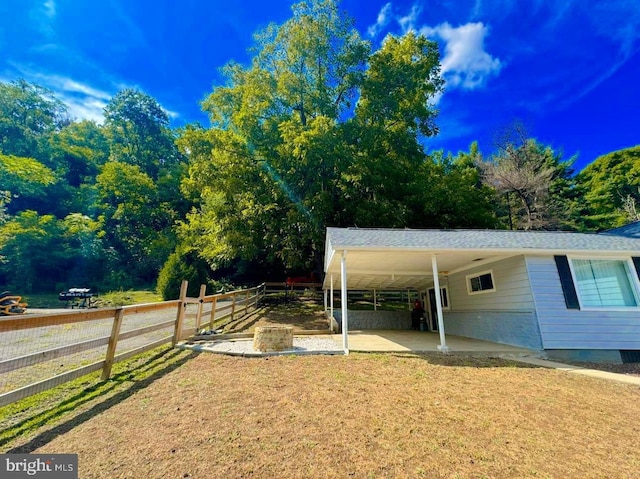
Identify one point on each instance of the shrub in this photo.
(178, 267)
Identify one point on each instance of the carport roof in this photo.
(401, 258)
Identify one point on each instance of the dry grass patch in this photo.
(362, 416)
(303, 313)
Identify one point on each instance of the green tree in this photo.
(301, 139)
(139, 132)
(28, 113)
(182, 266)
(610, 190)
(24, 182)
(534, 184)
(39, 252)
(78, 151)
(452, 194)
(24, 176)
(32, 252)
(86, 256)
(5, 198)
(135, 226)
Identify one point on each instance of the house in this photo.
(631, 230)
(570, 295)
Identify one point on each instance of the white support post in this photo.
(436, 286)
(325, 301)
(343, 302)
(375, 300)
(331, 298)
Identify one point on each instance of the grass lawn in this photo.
(109, 299)
(361, 416)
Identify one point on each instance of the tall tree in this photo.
(78, 151)
(316, 132)
(610, 188)
(139, 133)
(534, 181)
(32, 254)
(23, 182)
(28, 112)
(452, 194)
(135, 226)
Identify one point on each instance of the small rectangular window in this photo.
(480, 283)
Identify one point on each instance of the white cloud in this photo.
(68, 85)
(384, 17)
(84, 108)
(85, 102)
(43, 16)
(408, 22)
(50, 8)
(465, 64)
(172, 114)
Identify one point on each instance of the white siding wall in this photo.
(563, 328)
(513, 292)
(504, 316)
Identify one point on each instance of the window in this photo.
(444, 297)
(604, 283)
(480, 283)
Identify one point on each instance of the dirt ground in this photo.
(361, 416)
(303, 313)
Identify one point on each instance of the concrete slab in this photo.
(594, 373)
(418, 341)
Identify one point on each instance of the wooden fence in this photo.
(284, 287)
(227, 305)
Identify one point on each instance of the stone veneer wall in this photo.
(517, 328)
(375, 319)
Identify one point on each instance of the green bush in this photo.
(178, 267)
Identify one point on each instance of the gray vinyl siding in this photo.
(517, 328)
(563, 328)
(513, 291)
(504, 316)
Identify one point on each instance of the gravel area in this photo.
(244, 347)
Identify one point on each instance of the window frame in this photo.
(445, 289)
(478, 275)
(631, 276)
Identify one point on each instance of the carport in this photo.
(386, 259)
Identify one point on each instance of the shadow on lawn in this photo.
(470, 360)
(103, 390)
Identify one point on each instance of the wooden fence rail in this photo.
(240, 303)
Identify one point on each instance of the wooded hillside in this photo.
(319, 130)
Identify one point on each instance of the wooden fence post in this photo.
(214, 305)
(113, 342)
(203, 291)
(246, 302)
(180, 314)
(233, 305)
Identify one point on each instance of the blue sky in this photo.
(568, 69)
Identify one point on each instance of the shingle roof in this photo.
(357, 238)
(630, 231)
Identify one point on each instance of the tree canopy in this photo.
(81, 202)
(610, 190)
(533, 182)
(318, 129)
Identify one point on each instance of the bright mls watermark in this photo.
(46, 466)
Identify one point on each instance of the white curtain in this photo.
(604, 283)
